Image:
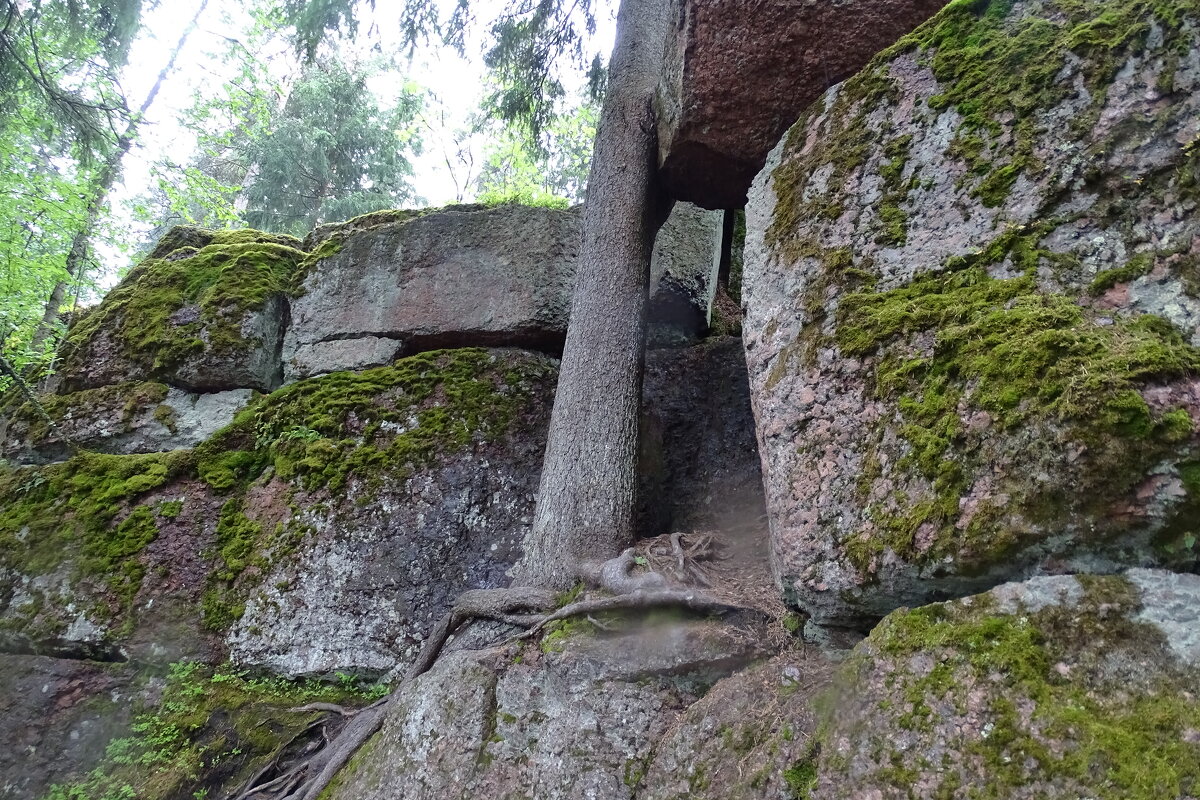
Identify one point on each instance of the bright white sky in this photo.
(458, 82)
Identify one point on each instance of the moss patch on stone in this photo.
(1060, 709)
(1025, 359)
(122, 401)
(993, 67)
(996, 71)
(389, 420)
(171, 309)
(317, 435)
(1138, 266)
(211, 731)
(79, 512)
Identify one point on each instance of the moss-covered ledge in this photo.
(1057, 687)
(91, 548)
(204, 311)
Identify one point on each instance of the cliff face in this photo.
(972, 310)
(972, 335)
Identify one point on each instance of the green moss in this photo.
(558, 632)
(1024, 353)
(373, 426)
(169, 509)
(240, 544)
(212, 730)
(1087, 725)
(166, 416)
(1001, 346)
(801, 779)
(370, 424)
(1138, 266)
(893, 220)
(237, 273)
(997, 72)
(993, 68)
(1178, 543)
(240, 236)
(79, 512)
(123, 402)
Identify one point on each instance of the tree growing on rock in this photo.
(585, 503)
(584, 516)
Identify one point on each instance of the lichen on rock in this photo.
(973, 345)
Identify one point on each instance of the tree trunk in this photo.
(77, 256)
(589, 475)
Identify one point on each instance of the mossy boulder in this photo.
(205, 311)
(373, 499)
(325, 528)
(187, 729)
(972, 319)
(1064, 686)
(105, 556)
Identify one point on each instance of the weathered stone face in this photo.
(971, 334)
(402, 282)
(382, 556)
(62, 713)
(582, 718)
(121, 419)
(683, 276)
(738, 73)
(354, 507)
(448, 278)
(1058, 687)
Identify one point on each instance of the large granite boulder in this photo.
(399, 282)
(445, 278)
(1058, 687)
(324, 529)
(581, 716)
(204, 312)
(972, 309)
(397, 488)
(683, 276)
(737, 74)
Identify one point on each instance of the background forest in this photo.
(122, 119)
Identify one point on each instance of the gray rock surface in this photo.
(700, 465)
(475, 276)
(120, 419)
(60, 715)
(683, 276)
(579, 719)
(941, 315)
(376, 571)
(1061, 686)
(737, 74)
(445, 278)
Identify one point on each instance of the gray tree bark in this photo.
(589, 475)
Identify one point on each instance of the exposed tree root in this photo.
(519, 605)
